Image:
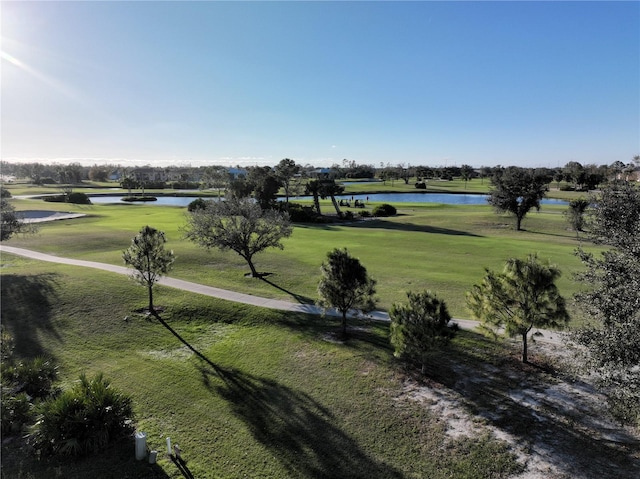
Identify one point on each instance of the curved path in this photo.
(548, 336)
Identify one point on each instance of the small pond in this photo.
(445, 198)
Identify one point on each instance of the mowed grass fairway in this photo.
(278, 399)
(278, 396)
(426, 246)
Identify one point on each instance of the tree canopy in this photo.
(345, 285)
(149, 258)
(611, 340)
(240, 225)
(520, 298)
(517, 190)
(420, 327)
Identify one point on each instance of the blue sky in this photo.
(250, 83)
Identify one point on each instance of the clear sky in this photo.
(250, 83)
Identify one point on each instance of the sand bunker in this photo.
(39, 216)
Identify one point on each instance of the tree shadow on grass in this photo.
(530, 403)
(298, 297)
(389, 225)
(26, 311)
(295, 428)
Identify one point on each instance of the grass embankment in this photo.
(426, 246)
(278, 399)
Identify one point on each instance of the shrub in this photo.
(364, 214)
(198, 204)
(16, 412)
(55, 198)
(421, 185)
(348, 215)
(384, 210)
(301, 214)
(83, 419)
(34, 377)
(79, 199)
(4, 193)
(138, 198)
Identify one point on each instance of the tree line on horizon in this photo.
(576, 175)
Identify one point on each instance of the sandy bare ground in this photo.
(40, 216)
(556, 424)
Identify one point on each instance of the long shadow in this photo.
(497, 393)
(388, 225)
(298, 297)
(26, 311)
(296, 429)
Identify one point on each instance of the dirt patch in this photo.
(556, 424)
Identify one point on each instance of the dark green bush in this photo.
(364, 213)
(421, 185)
(384, 210)
(16, 412)
(78, 199)
(138, 198)
(198, 204)
(55, 198)
(4, 193)
(301, 214)
(83, 419)
(34, 376)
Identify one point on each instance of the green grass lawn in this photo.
(278, 398)
(444, 248)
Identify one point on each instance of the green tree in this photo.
(286, 171)
(240, 225)
(575, 214)
(149, 258)
(265, 185)
(420, 327)
(10, 222)
(313, 188)
(517, 191)
(345, 285)
(466, 172)
(611, 340)
(216, 177)
(524, 296)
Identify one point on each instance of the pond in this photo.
(445, 198)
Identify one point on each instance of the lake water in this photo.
(444, 198)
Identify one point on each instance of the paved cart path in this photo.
(550, 336)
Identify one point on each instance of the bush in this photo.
(421, 185)
(34, 377)
(16, 412)
(138, 198)
(364, 214)
(384, 210)
(301, 214)
(4, 193)
(78, 199)
(83, 419)
(198, 204)
(55, 198)
(348, 215)
(185, 185)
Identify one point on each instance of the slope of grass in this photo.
(277, 397)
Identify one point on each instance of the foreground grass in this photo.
(277, 398)
(426, 246)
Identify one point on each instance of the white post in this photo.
(141, 445)
(169, 445)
